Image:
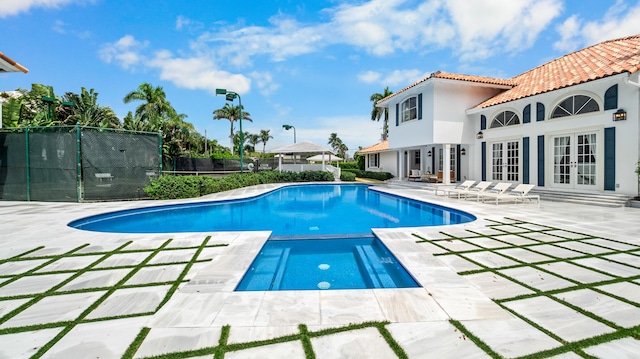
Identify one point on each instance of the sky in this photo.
(310, 64)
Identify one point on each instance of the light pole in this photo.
(288, 127)
(230, 96)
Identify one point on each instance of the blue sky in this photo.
(310, 64)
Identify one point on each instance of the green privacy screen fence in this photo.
(75, 164)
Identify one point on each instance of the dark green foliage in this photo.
(349, 165)
(347, 176)
(381, 176)
(174, 187)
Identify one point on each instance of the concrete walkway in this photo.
(553, 280)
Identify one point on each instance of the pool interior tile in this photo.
(604, 306)
(169, 340)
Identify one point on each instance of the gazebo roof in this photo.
(9, 65)
(303, 147)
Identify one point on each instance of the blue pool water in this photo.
(325, 264)
(299, 210)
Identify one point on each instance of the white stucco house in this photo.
(572, 124)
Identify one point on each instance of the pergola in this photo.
(9, 65)
(303, 147)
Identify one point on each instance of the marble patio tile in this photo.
(440, 277)
(456, 245)
(209, 281)
(419, 259)
(6, 306)
(625, 348)
(467, 303)
(53, 309)
(558, 319)
(48, 251)
(173, 256)
(130, 301)
(608, 267)
(123, 259)
(490, 259)
(568, 355)
(524, 255)
(577, 273)
(496, 286)
(239, 308)
(514, 239)
(191, 310)
(624, 258)
(156, 274)
(99, 248)
(289, 350)
(610, 244)
(146, 244)
(104, 339)
(625, 290)
(19, 267)
(96, 279)
(70, 263)
(246, 334)
(543, 237)
(171, 340)
(458, 232)
(501, 229)
(536, 278)
(489, 243)
(408, 305)
(511, 337)
(567, 235)
(33, 284)
(434, 340)
(289, 308)
(361, 343)
(349, 306)
(25, 344)
(186, 241)
(533, 226)
(604, 306)
(458, 263)
(584, 247)
(555, 251)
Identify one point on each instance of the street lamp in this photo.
(50, 101)
(288, 127)
(230, 96)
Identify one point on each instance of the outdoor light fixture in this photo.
(50, 101)
(463, 152)
(620, 115)
(429, 154)
(288, 127)
(479, 135)
(230, 96)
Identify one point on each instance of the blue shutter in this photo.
(539, 112)
(458, 147)
(483, 122)
(433, 159)
(610, 159)
(525, 160)
(611, 98)
(526, 114)
(420, 107)
(397, 114)
(484, 161)
(541, 160)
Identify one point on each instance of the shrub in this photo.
(349, 165)
(347, 176)
(381, 176)
(175, 187)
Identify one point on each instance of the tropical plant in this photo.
(154, 109)
(87, 112)
(11, 106)
(378, 112)
(231, 113)
(264, 138)
(253, 139)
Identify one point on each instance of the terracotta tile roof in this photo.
(378, 147)
(607, 58)
(458, 77)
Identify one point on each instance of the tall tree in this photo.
(334, 142)
(264, 138)
(231, 113)
(154, 109)
(87, 112)
(253, 139)
(378, 112)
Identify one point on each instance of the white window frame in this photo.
(407, 111)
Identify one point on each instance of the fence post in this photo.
(79, 161)
(160, 153)
(27, 164)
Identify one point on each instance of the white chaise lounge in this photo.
(473, 192)
(494, 191)
(520, 193)
(464, 186)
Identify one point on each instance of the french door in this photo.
(575, 161)
(505, 161)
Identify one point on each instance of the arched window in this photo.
(409, 109)
(575, 105)
(505, 118)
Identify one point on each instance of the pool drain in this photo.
(324, 285)
(323, 266)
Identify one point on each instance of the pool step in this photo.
(268, 276)
(374, 267)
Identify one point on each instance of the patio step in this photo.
(594, 199)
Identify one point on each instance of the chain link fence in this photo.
(76, 164)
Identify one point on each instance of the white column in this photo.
(446, 164)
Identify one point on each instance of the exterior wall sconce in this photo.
(429, 154)
(463, 152)
(620, 115)
(479, 135)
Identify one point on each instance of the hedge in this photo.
(347, 176)
(175, 187)
(382, 176)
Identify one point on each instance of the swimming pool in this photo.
(296, 210)
(312, 264)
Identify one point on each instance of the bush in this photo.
(347, 176)
(381, 176)
(349, 165)
(175, 187)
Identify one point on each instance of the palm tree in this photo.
(377, 112)
(87, 111)
(264, 138)
(231, 113)
(253, 139)
(334, 142)
(155, 108)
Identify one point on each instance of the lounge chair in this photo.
(520, 193)
(495, 192)
(414, 175)
(459, 188)
(475, 190)
(438, 178)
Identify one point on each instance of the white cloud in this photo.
(265, 82)
(354, 131)
(369, 77)
(14, 7)
(569, 35)
(59, 27)
(184, 23)
(126, 52)
(393, 78)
